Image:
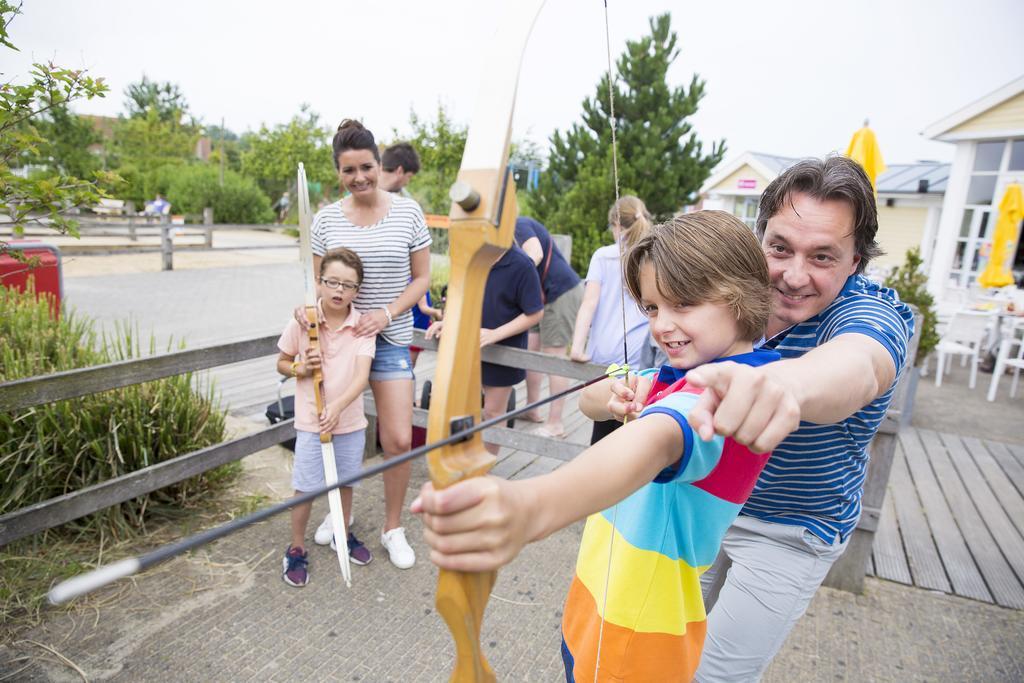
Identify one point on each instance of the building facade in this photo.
(989, 155)
(910, 198)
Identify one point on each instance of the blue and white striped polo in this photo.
(815, 477)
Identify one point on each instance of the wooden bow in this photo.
(483, 216)
(310, 279)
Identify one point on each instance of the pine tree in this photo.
(660, 158)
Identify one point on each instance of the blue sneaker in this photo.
(294, 570)
(357, 552)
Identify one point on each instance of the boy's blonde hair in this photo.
(706, 257)
(633, 219)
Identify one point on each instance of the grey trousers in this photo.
(754, 602)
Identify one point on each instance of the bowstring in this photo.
(622, 302)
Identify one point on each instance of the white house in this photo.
(989, 139)
(910, 199)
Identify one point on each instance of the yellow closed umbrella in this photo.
(864, 150)
(1011, 211)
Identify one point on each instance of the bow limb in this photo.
(482, 227)
(338, 520)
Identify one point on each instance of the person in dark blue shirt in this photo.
(512, 305)
(563, 296)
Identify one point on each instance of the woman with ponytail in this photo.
(597, 336)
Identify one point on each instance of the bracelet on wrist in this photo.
(387, 313)
(295, 368)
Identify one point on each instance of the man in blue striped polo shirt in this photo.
(843, 340)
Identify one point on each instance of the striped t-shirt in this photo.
(384, 249)
(816, 475)
(656, 543)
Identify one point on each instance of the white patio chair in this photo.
(1005, 359)
(965, 336)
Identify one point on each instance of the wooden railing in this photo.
(26, 393)
(847, 573)
(132, 228)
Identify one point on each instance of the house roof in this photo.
(938, 129)
(905, 178)
(897, 179)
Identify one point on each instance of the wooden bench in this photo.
(109, 207)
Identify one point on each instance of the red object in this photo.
(48, 275)
(747, 183)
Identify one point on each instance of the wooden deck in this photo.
(953, 519)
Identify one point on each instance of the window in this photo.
(1016, 155)
(996, 164)
(988, 155)
(982, 189)
(745, 208)
(968, 261)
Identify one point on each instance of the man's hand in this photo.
(475, 525)
(745, 403)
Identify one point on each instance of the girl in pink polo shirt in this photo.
(345, 360)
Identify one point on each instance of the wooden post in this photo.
(208, 222)
(129, 207)
(166, 247)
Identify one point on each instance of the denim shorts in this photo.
(391, 362)
(308, 466)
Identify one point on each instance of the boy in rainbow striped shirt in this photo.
(668, 496)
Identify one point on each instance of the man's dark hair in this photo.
(834, 178)
(400, 154)
(353, 135)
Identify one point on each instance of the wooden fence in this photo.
(847, 573)
(26, 393)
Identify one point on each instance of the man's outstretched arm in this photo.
(761, 406)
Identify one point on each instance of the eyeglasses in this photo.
(334, 284)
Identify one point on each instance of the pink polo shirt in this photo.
(339, 349)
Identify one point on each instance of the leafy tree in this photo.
(439, 144)
(166, 99)
(239, 200)
(226, 142)
(43, 197)
(271, 156)
(660, 158)
(145, 144)
(67, 138)
(911, 282)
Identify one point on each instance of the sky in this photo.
(790, 77)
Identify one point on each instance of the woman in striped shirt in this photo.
(389, 233)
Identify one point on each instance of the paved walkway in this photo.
(224, 614)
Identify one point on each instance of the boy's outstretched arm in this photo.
(482, 523)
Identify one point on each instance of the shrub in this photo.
(912, 284)
(53, 449)
(192, 188)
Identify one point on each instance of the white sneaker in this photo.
(399, 551)
(324, 533)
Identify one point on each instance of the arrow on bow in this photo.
(483, 217)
